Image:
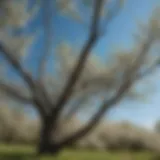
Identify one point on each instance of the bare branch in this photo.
(38, 94)
(127, 82)
(15, 92)
(149, 70)
(82, 59)
(82, 97)
(76, 106)
(25, 75)
(17, 66)
(96, 118)
(100, 81)
(90, 90)
(47, 22)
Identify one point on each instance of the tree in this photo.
(81, 76)
(157, 127)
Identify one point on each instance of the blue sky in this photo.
(119, 33)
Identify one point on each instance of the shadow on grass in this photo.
(17, 156)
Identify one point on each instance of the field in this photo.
(27, 153)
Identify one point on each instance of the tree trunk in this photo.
(46, 144)
(48, 148)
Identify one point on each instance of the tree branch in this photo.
(15, 92)
(81, 62)
(97, 117)
(128, 80)
(47, 22)
(17, 66)
(27, 78)
(84, 98)
(148, 71)
(76, 106)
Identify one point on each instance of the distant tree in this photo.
(157, 127)
(78, 77)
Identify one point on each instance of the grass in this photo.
(27, 153)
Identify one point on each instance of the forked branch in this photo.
(15, 92)
(17, 66)
(127, 82)
(81, 61)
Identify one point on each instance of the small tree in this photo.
(80, 78)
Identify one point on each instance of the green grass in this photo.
(27, 153)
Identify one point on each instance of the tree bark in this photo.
(46, 143)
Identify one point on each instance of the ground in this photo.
(17, 152)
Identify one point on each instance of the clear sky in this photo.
(119, 33)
